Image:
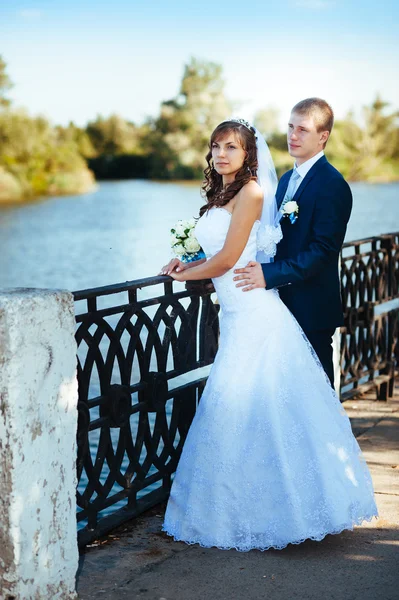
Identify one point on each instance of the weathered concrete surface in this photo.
(38, 420)
(138, 561)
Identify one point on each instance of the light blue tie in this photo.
(289, 194)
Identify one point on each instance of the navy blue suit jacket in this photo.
(305, 269)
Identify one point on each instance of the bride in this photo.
(270, 458)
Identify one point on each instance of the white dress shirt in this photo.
(305, 167)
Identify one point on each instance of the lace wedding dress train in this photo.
(270, 458)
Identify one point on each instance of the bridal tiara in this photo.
(242, 122)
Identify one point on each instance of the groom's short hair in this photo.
(320, 110)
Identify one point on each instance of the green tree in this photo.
(368, 152)
(177, 140)
(113, 135)
(38, 157)
(5, 84)
(78, 136)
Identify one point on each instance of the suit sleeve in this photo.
(331, 215)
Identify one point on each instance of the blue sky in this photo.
(73, 60)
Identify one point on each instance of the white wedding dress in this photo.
(270, 458)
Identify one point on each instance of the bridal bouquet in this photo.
(184, 243)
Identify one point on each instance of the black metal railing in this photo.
(142, 346)
(134, 408)
(370, 295)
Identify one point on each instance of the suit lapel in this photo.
(282, 189)
(308, 177)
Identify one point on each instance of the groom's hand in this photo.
(250, 277)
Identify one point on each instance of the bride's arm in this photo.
(247, 210)
(177, 265)
(190, 265)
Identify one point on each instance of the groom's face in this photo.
(304, 141)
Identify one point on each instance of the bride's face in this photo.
(228, 156)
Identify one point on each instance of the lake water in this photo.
(121, 232)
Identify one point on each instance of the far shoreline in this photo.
(30, 200)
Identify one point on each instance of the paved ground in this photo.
(138, 561)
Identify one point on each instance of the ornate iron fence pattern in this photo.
(134, 413)
(370, 295)
(136, 341)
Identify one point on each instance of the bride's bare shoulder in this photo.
(251, 191)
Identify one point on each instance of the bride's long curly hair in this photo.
(212, 187)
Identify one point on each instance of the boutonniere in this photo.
(291, 210)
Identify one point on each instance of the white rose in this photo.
(191, 223)
(179, 250)
(191, 245)
(179, 229)
(290, 207)
(191, 233)
(173, 240)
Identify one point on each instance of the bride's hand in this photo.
(178, 276)
(173, 265)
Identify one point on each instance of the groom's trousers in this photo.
(322, 344)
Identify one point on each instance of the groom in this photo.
(305, 269)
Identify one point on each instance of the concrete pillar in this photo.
(38, 420)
